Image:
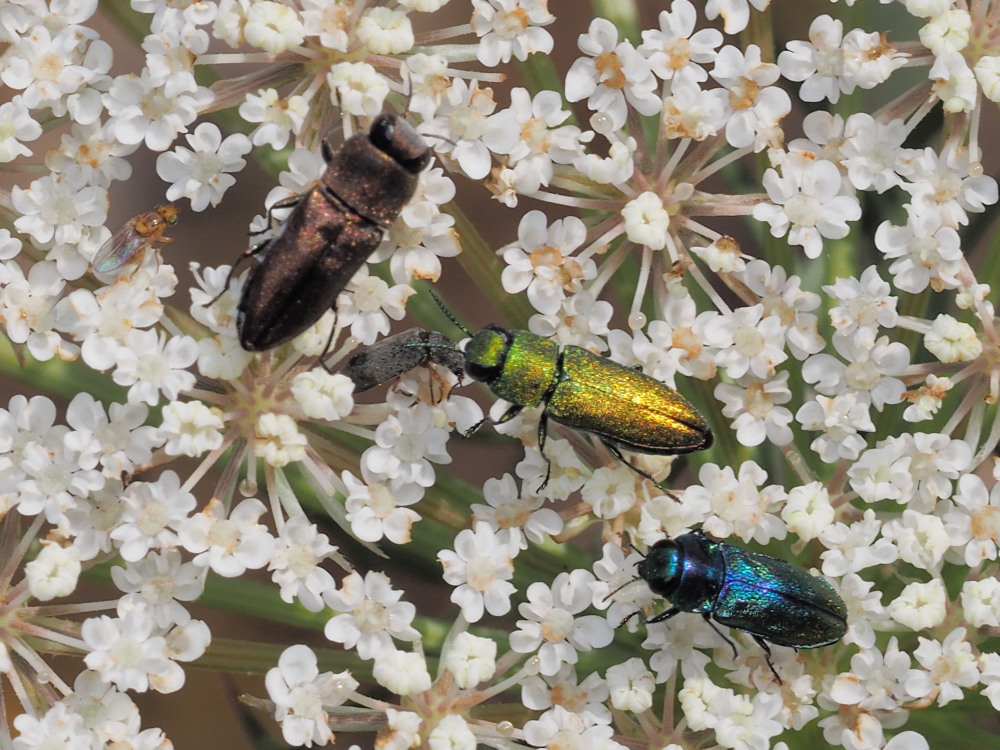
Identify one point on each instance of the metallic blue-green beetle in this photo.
(768, 598)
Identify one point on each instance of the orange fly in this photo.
(135, 236)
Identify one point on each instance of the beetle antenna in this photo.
(627, 583)
(419, 345)
(449, 313)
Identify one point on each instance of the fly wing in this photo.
(778, 601)
(120, 248)
(302, 270)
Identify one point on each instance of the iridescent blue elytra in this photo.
(772, 600)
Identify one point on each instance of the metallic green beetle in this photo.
(623, 407)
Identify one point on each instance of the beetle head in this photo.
(486, 353)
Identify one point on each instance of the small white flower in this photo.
(818, 63)
(510, 27)
(150, 365)
(749, 341)
(954, 82)
(987, 70)
(16, 127)
(558, 726)
(807, 203)
(323, 395)
(118, 441)
(229, 546)
(647, 221)
(401, 730)
(380, 508)
(480, 569)
(947, 32)
(452, 733)
(58, 209)
(755, 409)
(617, 167)
(855, 547)
(300, 693)
(372, 613)
(542, 263)
(277, 439)
(920, 605)
(676, 48)
(722, 256)
(299, 550)
(981, 602)
(157, 584)
(461, 123)
(951, 340)
(273, 27)
(735, 13)
(920, 538)
(201, 175)
(732, 503)
(807, 511)
(142, 111)
(191, 428)
(612, 77)
(153, 513)
(53, 573)
(385, 31)
(865, 304)
(553, 627)
(60, 726)
(401, 672)
(278, 117)
(471, 659)
(405, 446)
(631, 686)
(357, 88)
(753, 105)
(516, 510)
(974, 522)
(126, 651)
(841, 419)
(950, 663)
(610, 492)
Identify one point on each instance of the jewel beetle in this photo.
(395, 355)
(331, 231)
(624, 408)
(770, 599)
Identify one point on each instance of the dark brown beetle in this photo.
(397, 355)
(329, 235)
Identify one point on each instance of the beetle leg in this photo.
(767, 655)
(289, 202)
(616, 452)
(248, 253)
(543, 431)
(723, 636)
(329, 341)
(662, 617)
(508, 415)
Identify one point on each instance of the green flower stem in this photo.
(481, 264)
